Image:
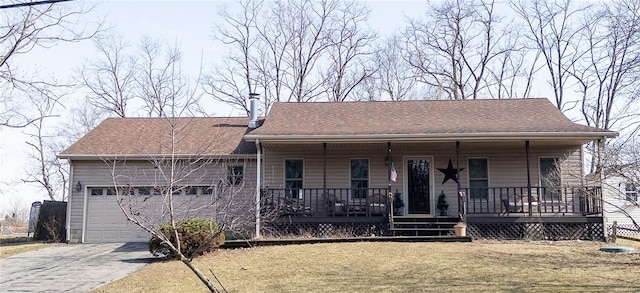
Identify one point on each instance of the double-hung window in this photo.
(631, 191)
(550, 179)
(235, 175)
(359, 177)
(478, 178)
(293, 172)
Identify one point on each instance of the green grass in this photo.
(481, 266)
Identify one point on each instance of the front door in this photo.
(418, 186)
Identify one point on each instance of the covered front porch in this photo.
(357, 186)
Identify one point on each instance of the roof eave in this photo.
(586, 136)
(100, 157)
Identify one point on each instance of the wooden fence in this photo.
(51, 222)
(624, 232)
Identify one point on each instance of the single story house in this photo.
(507, 168)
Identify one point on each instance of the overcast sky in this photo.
(187, 23)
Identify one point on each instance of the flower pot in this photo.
(460, 229)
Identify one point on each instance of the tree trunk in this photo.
(200, 275)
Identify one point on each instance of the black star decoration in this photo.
(450, 173)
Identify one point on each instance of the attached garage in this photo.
(204, 161)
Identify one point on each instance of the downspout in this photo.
(324, 170)
(388, 196)
(67, 224)
(527, 149)
(259, 153)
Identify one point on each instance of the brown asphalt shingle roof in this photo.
(424, 117)
(152, 136)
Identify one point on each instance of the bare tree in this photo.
(232, 82)
(395, 78)
(161, 84)
(453, 46)
(182, 182)
(607, 75)
(83, 119)
(47, 171)
(23, 29)
(350, 46)
(291, 51)
(110, 79)
(555, 31)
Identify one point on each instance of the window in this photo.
(550, 179)
(235, 174)
(293, 170)
(144, 191)
(478, 179)
(95, 191)
(631, 191)
(359, 178)
(191, 190)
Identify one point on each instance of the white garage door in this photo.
(107, 223)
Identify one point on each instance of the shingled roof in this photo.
(424, 119)
(142, 137)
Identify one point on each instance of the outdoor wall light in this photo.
(79, 186)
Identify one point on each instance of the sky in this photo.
(187, 23)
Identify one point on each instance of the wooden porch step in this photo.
(426, 223)
(422, 226)
(422, 229)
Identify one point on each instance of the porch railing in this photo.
(544, 201)
(330, 202)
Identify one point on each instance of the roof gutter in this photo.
(433, 137)
(151, 156)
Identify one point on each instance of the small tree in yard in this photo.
(191, 193)
(622, 161)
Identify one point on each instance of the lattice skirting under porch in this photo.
(536, 231)
(325, 230)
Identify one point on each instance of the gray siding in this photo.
(143, 174)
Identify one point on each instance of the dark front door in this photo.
(418, 186)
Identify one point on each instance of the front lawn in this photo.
(480, 266)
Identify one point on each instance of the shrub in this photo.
(197, 236)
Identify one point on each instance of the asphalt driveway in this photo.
(72, 267)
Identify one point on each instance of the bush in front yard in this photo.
(197, 236)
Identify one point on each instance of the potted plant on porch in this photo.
(398, 203)
(442, 204)
(460, 228)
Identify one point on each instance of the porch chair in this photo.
(508, 208)
(377, 204)
(332, 204)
